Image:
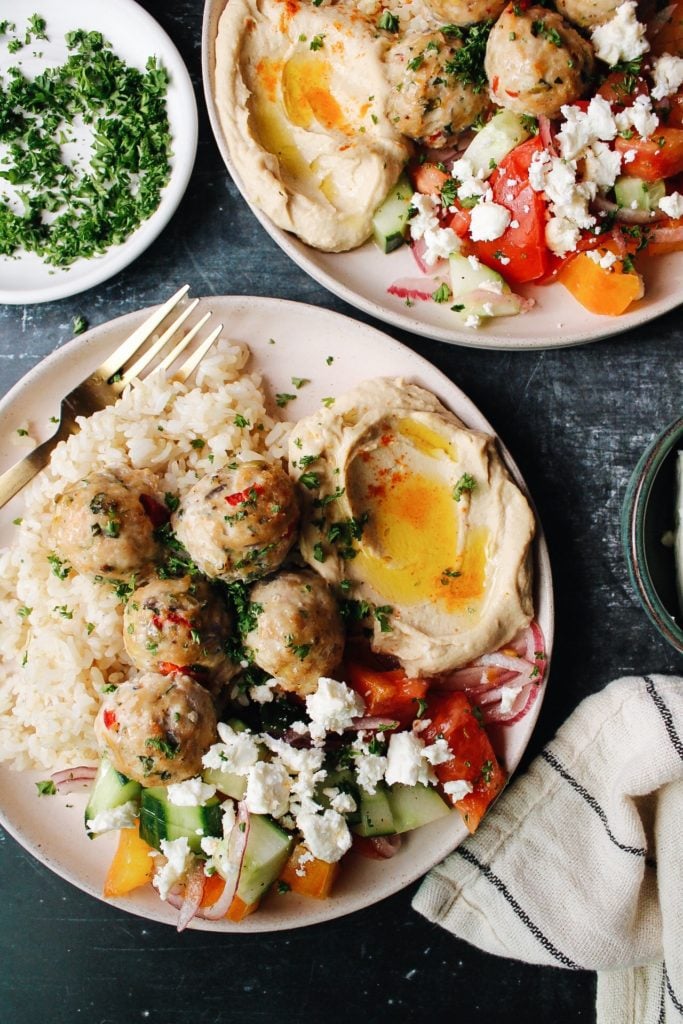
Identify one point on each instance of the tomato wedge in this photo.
(520, 254)
(660, 156)
(387, 694)
(452, 716)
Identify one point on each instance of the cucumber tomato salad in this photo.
(576, 178)
(293, 785)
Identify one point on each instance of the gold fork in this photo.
(106, 383)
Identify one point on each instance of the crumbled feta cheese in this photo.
(228, 818)
(237, 753)
(510, 693)
(295, 759)
(370, 768)
(472, 188)
(639, 116)
(622, 37)
(494, 285)
(462, 169)
(488, 221)
(342, 802)
(506, 259)
(629, 156)
(514, 223)
(268, 789)
(474, 261)
(300, 728)
(123, 816)
(405, 762)
(426, 217)
(667, 72)
(178, 857)
(511, 182)
(439, 244)
(487, 309)
(561, 236)
(304, 858)
(603, 164)
(438, 752)
(326, 835)
(672, 205)
(332, 708)
(457, 789)
(191, 793)
(473, 321)
(581, 129)
(263, 692)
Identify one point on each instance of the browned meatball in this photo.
(428, 102)
(102, 525)
(588, 13)
(299, 633)
(182, 623)
(155, 728)
(465, 12)
(239, 524)
(536, 62)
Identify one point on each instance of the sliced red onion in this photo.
(419, 289)
(70, 779)
(493, 712)
(194, 891)
(667, 235)
(370, 723)
(545, 130)
(386, 846)
(237, 844)
(499, 660)
(418, 249)
(625, 215)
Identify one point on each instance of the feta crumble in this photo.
(370, 768)
(332, 708)
(123, 816)
(473, 321)
(604, 260)
(326, 835)
(672, 205)
(268, 789)
(405, 762)
(190, 793)
(488, 221)
(457, 789)
(178, 857)
(622, 38)
(667, 72)
(237, 753)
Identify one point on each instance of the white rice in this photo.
(56, 658)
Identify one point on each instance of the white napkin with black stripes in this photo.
(580, 863)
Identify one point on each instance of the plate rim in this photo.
(543, 587)
(115, 259)
(297, 251)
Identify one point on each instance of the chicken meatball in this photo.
(428, 102)
(239, 524)
(179, 624)
(465, 12)
(588, 13)
(155, 728)
(103, 525)
(299, 634)
(536, 62)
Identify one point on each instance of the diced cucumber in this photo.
(636, 194)
(268, 847)
(376, 818)
(496, 139)
(160, 819)
(391, 217)
(413, 806)
(111, 789)
(468, 274)
(228, 783)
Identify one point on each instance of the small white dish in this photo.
(361, 277)
(134, 36)
(304, 337)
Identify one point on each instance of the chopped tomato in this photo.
(660, 156)
(675, 117)
(452, 717)
(387, 694)
(669, 38)
(520, 254)
(622, 87)
(109, 718)
(460, 221)
(428, 178)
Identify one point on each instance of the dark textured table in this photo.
(576, 421)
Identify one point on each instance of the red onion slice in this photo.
(386, 846)
(418, 249)
(372, 724)
(69, 779)
(625, 215)
(194, 891)
(418, 289)
(237, 844)
(545, 130)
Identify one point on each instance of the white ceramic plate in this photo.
(134, 36)
(362, 277)
(304, 337)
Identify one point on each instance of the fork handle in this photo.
(13, 479)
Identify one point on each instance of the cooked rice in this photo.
(57, 657)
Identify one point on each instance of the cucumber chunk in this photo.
(111, 789)
(268, 847)
(160, 819)
(645, 194)
(228, 783)
(414, 806)
(390, 221)
(469, 274)
(496, 139)
(376, 818)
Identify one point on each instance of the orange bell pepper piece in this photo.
(606, 292)
(131, 867)
(213, 887)
(312, 877)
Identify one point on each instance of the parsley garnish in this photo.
(529, 123)
(310, 480)
(300, 650)
(465, 484)
(299, 382)
(282, 398)
(449, 192)
(317, 42)
(487, 771)
(79, 324)
(442, 293)
(467, 63)
(241, 421)
(46, 788)
(382, 614)
(169, 748)
(388, 21)
(59, 568)
(539, 28)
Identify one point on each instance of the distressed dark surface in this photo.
(576, 421)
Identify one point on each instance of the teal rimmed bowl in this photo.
(647, 515)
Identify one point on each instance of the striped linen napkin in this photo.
(580, 864)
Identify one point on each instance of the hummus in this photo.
(302, 97)
(408, 510)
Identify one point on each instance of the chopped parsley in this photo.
(282, 398)
(327, 402)
(169, 748)
(171, 501)
(46, 788)
(467, 63)
(540, 28)
(449, 192)
(241, 421)
(382, 614)
(328, 498)
(442, 293)
(24, 611)
(79, 324)
(388, 22)
(529, 123)
(299, 382)
(487, 771)
(310, 480)
(317, 42)
(465, 485)
(60, 569)
(300, 650)
(198, 443)
(318, 552)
